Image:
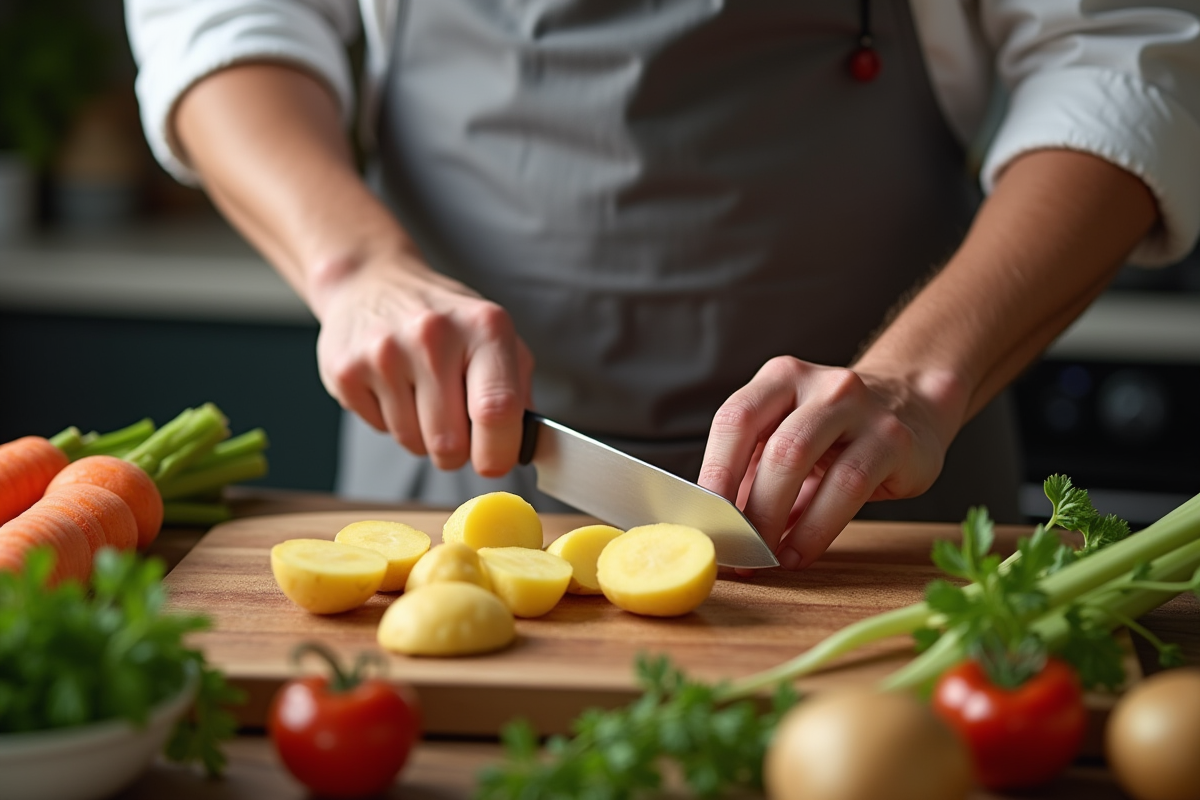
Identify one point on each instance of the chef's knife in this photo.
(624, 491)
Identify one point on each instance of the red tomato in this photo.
(344, 742)
(1019, 737)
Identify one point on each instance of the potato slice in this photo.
(446, 619)
(530, 582)
(661, 570)
(449, 562)
(402, 545)
(327, 577)
(495, 519)
(582, 547)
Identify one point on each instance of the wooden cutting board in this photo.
(580, 654)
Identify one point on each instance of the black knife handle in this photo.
(529, 435)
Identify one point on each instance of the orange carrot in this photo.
(113, 513)
(129, 481)
(27, 466)
(40, 526)
(84, 519)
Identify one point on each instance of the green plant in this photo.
(52, 60)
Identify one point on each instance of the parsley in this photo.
(620, 753)
(70, 656)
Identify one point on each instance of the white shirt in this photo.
(1117, 80)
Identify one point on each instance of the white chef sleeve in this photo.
(1118, 80)
(177, 42)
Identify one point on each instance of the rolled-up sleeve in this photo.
(178, 42)
(1120, 82)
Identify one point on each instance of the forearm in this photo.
(1046, 242)
(267, 142)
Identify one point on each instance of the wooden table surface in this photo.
(443, 769)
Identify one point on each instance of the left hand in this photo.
(802, 447)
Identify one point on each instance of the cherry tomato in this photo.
(343, 737)
(1017, 737)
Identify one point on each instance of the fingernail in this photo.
(789, 558)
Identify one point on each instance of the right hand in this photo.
(426, 359)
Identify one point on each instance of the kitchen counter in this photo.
(444, 768)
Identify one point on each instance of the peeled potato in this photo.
(449, 562)
(327, 577)
(446, 619)
(530, 582)
(582, 547)
(661, 570)
(495, 519)
(402, 545)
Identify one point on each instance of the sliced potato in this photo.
(582, 547)
(402, 545)
(530, 582)
(660, 570)
(446, 619)
(327, 577)
(449, 562)
(495, 519)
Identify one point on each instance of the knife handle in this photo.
(529, 435)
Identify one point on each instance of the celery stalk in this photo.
(198, 481)
(118, 442)
(180, 513)
(179, 442)
(245, 444)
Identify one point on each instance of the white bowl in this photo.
(87, 762)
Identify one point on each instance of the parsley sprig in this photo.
(72, 655)
(618, 753)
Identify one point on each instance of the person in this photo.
(702, 232)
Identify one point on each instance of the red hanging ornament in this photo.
(864, 62)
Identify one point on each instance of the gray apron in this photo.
(665, 196)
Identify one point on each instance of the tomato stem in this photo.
(341, 680)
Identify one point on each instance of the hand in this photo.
(425, 358)
(802, 447)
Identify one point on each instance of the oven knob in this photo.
(1132, 406)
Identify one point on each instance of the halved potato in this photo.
(660, 570)
(402, 545)
(582, 547)
(495, 519)
(446, 619)
(327, 577)
(530, 582)
(449, 562)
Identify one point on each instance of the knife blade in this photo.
(625, 491)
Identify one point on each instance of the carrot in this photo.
(84, 519)
(27, 466)
(113, 513)
(128, 481)
(40, 526)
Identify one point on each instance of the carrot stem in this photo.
(197, 481)
(69, 441)
(115, 443)
(189, 513)
(248, 443)
(179, 442)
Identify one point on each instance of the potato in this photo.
(661, 570)
(582, 547)
(327, 577)
(1152, 738)
(530, 582)
(402, 545)
(865, 745)
(495, 519)
(446, 619)
(451, 561)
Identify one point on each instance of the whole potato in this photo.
(1152, 739)
(865, 745)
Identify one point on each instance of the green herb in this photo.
(70, 656)
(617, 754)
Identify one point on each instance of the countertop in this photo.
(445, 768)
(202, 269)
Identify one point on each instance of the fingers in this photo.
(497, 391)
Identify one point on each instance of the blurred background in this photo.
(124, 295)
